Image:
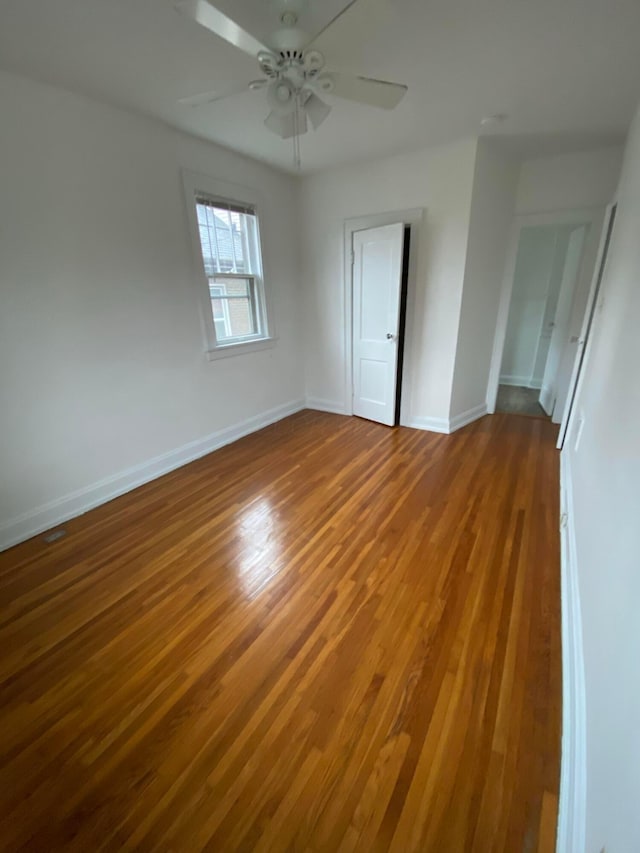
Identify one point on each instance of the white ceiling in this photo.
(567, 72)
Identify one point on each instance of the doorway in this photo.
(544, 283)
(380, 272)
(379, 299)
(544, 298)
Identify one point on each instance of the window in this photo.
(231, 256)
(227, 236)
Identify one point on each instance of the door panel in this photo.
(377, 279)
(559, 336)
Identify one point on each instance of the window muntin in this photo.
(230, 245)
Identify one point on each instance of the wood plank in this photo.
(330, 635)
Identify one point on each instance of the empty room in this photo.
(320, 425)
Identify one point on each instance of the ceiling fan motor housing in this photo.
(289, 73)
(289, 38)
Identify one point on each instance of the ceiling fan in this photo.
(294, 71)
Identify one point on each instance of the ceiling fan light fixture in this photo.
(268, 62)
(282, 126)
(287, 127)
(316, 110)
(313, 61)
(281, 97)
(324, 83)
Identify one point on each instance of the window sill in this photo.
(240, 348)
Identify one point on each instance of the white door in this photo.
(377, 281)
(560, 334)
(587, 321)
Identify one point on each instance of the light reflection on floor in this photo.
(258, 559)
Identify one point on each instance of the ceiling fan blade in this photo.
(366, 90)
(213, 19)
(214, 95)
(331, 23)
(285, 126)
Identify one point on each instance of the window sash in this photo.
(252, 296)
(228, 243)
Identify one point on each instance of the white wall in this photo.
(603, 475)
(438, 180)
(503, 188)
(102, 356)
(568, 181)
(492, 204)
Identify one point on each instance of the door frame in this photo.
(594, 302)
(413, 218)
(577, 216)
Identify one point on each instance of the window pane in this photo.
(216, 304)
(233, 307)
(221, 329)
(218, 310)
(226, 238)
(235, 286)
(241, 322)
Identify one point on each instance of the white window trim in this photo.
(194, 182)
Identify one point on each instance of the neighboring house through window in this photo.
(229, 242)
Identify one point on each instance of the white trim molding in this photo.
(76, 503)
(429, 424)
(573, 769)
(464, 418)
(240, 348)
(320, 405)
(521, 381)
(448, 425)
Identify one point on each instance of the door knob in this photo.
(390, 337)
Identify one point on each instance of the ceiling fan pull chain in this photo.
(297, 160)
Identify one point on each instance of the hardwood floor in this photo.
(330, 635)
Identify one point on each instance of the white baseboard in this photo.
(61, 509)
(464, 418)
(429, 424)
(520, 381)
(321, 405)
(448, 425)
(573, 769)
